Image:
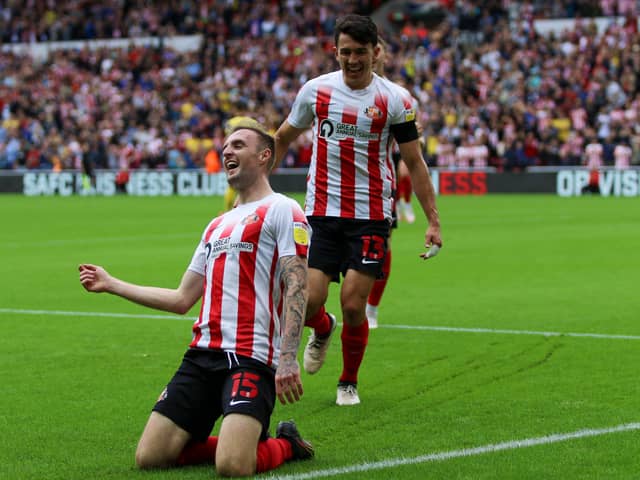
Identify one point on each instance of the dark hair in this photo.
(359, 27)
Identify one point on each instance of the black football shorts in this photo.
(340, 244)
(209, 384)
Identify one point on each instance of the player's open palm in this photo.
(93, 278)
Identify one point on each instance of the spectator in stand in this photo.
(515, 159)
(531, 150)
(594, 162)
(464, 153)
(622, 155)
(479, 151)
(445, 153)
(593, 153)
(550, 152)
(572, 149)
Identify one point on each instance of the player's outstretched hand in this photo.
(93, 278)
(288, 382)
(432, 242)
(431, 252)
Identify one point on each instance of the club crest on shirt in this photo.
(253, 218)
(373, 112)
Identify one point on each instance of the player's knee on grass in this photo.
(147, 458)
(236, 453)
(161, 443)
(237, 465)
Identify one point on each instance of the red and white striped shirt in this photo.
(622, 155)
(463, 156)
(593, 153)
(350, 175)
(480, 155)
(238, 257)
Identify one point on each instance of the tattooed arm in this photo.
(294, 276)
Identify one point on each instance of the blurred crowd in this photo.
(492, 91)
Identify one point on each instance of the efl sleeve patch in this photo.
(300, 234)
(409, 115)
(301, 238)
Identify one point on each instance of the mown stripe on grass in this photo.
(20, 311)
(465, 452)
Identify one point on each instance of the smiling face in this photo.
(356, 61)
(244, 158)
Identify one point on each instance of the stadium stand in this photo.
(496, 89)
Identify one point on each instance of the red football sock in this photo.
(379, 285)
(319, 322)
(405, 189)
(354, 343)
(272, 453)
(195, 453)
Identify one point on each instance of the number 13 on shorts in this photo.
(373, 248)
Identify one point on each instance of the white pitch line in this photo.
(92, 241)
(513, 332)
(19, 311)
(466, 452)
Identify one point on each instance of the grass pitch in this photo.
(513, 354)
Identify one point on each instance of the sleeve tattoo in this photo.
(294, 277)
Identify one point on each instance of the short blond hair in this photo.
(241, 121)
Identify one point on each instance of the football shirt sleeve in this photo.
(199, 259)
(404, 132)
(301, 115)
(292, 230)
(403, 116)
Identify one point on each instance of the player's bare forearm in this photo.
(427, 197)
(283, 138)
(294, 276)
(421, 180)
(96, 279)
(423, 188)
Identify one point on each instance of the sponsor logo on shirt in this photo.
(326, 129)
(226, 245)
(345, 130)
